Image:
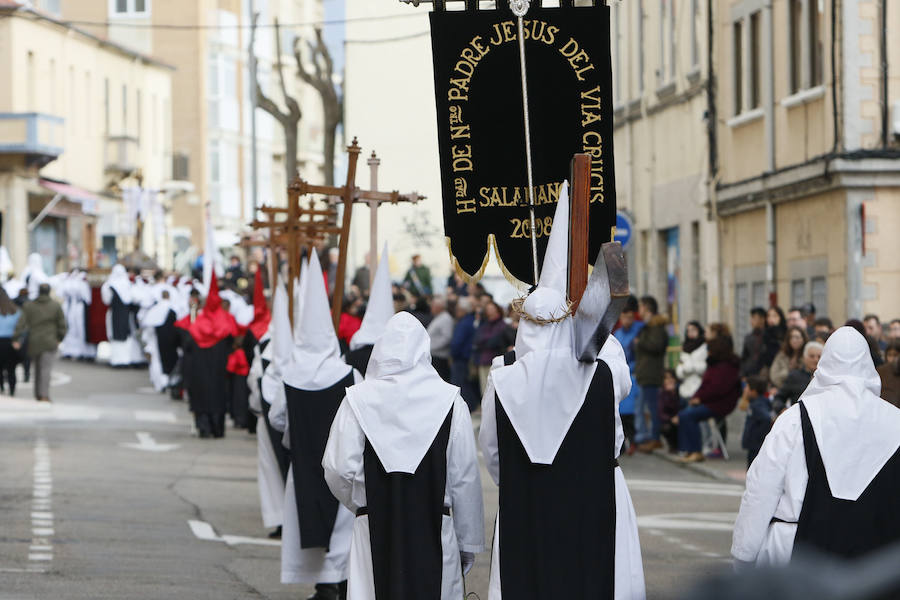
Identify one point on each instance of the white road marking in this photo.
(685, 487)
(41, 548)
(694, 521)
(204, 531)
(148, 444)
(155, 416)
(18, 410)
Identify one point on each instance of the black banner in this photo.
(481, 132)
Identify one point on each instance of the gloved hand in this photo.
(468, 561)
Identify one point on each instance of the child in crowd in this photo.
(759, 416)
(670, 403)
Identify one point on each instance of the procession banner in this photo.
(481, 135)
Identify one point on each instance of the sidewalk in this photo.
(732, 470)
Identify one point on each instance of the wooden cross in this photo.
(579, 227)
(301, 227)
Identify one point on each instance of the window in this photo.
(755, 66)
(760, 298)
(639, 49)
(139, 116)
(106, 105)
(696, 28)
(738, 70)
(795, 20)
(742, 310)
(124, 110)
(820, 295)
(798, 292)
(805, 22)
(214, 161)
(130, 7)
(666, 70)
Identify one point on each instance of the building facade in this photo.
(809, 186)
(80, 119)
(212, 100)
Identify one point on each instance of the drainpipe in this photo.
(770, 253)
(770, 152)
(885, 137)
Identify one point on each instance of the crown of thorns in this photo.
(518, 306)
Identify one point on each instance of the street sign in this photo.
(623, 229)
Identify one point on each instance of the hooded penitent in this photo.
(550, 437)
(378, 312)
(76, 296)
(316, 531)
(261, 315)
(205, 360)
(33, 275)
(279, 349)
(402, 456)
(403, 401)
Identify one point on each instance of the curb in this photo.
(696, 467)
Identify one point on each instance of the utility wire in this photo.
(398, 38)
(241, 25)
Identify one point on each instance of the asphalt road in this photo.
(105, 494)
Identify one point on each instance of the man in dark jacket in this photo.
(754, 346)
(44, 322)
(461, 353)
(650, 352)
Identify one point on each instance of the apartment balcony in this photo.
(34, 138)
(121, 154)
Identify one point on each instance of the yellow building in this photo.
(79, 115)
(808, 194)
(207, 41)
(660, 67)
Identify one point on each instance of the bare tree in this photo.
(322, 80)
(290, 118)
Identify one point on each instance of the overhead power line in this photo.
(320, 23)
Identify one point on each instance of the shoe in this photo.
(650, 446)
(276, 535)
(717, 453)
(326, 591)
(43, 399)
(693, 457)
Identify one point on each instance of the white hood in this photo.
(279, 349)
(403, 402)
(380, 308)
(118, 281)
(158, 313)
(857, 432)
(316, 361)
(545, 388)
(34, 274)
(239, 309)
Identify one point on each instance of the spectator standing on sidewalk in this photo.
(754, 346)
(9, 356)
(650, 350)
(890, 374)
(627, 333)
(461, 353)
(440, 331)
(44, 322)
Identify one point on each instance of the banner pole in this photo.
(519, 9)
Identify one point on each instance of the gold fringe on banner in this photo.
(492, 244)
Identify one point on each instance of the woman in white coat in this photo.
(852, 437)
(412, 434)
(692, 364)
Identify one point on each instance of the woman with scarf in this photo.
(790, 356)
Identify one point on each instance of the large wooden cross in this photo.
(301, 227)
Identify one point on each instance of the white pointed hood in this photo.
(316, 361)
(545, 388)
(34, 275)
(857, 432)
(299, 292)
(380, 308)
(403, 402)
(239, 309)
(118, 281)
(278, 350)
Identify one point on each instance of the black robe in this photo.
(846, 528)
(558, 522)
(310, 414)
(405, 517)
(359, 358)
(120, 318)
(205, 384)
(167, 343)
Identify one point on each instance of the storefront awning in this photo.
(87, 200)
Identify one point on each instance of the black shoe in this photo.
(205, 434)
(326, 591)
(276, 535)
